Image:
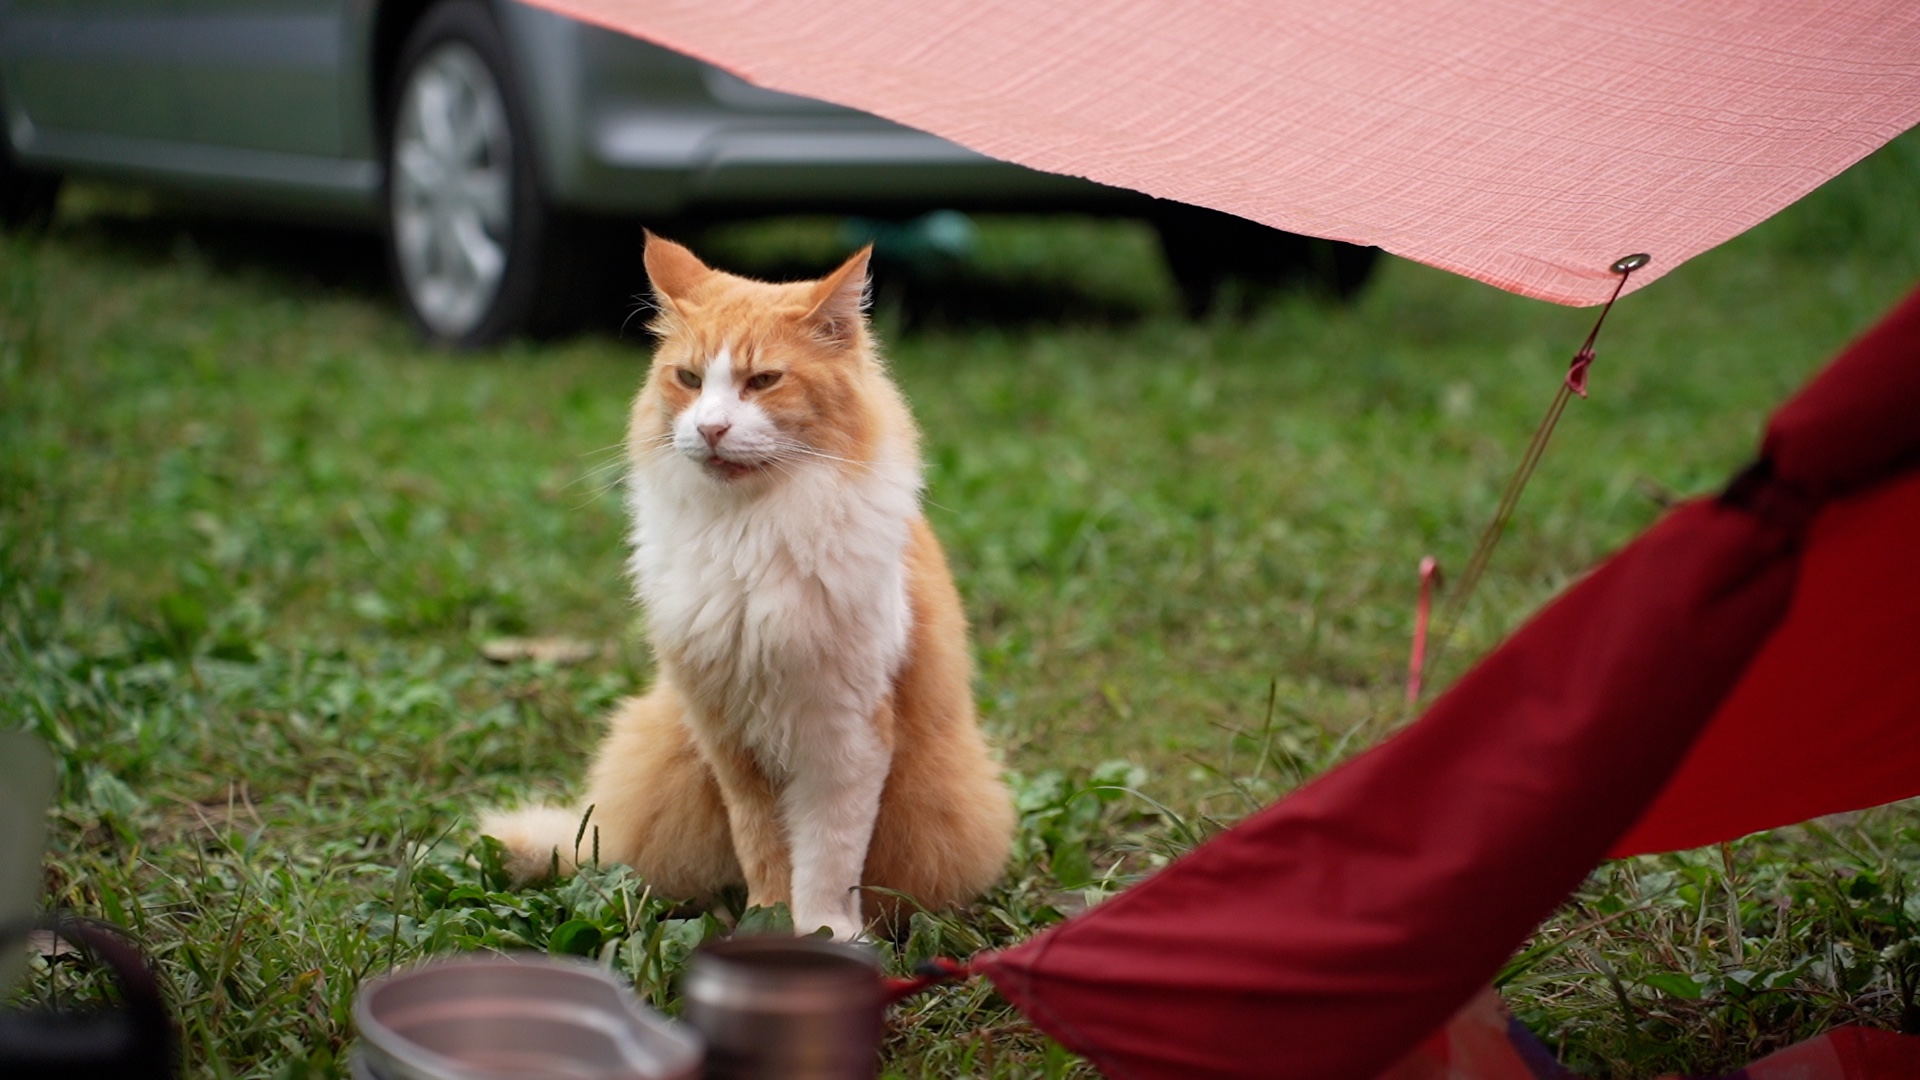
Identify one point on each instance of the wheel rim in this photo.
(452, 189)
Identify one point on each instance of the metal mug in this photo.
(787, 1008)
(514, 1018)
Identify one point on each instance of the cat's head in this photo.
(751, 380)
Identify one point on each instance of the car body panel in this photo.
(275, 104)
(245, 99)
(263, 79)
(90, 66)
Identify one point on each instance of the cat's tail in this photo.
(539, 839)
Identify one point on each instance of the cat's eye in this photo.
(689, 379)
(763, 380)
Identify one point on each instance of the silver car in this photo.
(492, 142)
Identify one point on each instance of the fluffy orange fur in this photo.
(682, 788)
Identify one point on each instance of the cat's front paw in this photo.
(840, 927)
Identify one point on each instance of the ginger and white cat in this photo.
(812, 729)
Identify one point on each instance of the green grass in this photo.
(251, 537)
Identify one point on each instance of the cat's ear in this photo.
(674, 271)
(839, 300)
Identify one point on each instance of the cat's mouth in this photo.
(728, 470)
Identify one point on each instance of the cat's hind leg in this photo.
(655, 806)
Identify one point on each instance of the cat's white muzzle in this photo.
(725, 434)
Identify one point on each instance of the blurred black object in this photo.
(1218, 259)
(132, 1042)
(27, 196)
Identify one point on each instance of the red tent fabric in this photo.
(1846, 662)
(1483, 1042)
(1327, 935)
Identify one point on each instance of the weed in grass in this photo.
(252, 541)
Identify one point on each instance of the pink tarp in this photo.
(1526, 143)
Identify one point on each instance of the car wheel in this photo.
(27, 196)
(1221, 260)
(468, 232)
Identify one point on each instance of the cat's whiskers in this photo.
(791, 450)
(606, 454)
(605, 475)
(595, 473)
(656, 442)
(600, 479)
(645, 459)
(597, 491)
(610, 449)
(664, 449)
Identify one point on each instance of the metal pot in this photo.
(514, 1018)
(784, 1008)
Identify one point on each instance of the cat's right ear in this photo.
(674, 271)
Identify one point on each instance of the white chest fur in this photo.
(786, 608)
(786, 611)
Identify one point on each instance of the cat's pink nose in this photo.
(713, 432)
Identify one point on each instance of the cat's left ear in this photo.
(840, 300)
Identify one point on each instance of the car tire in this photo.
(471, 242)
(28, 197)
(1219, 260)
